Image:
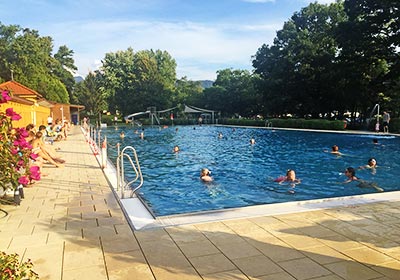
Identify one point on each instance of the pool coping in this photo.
(140, 218)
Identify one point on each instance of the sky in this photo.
(203, 36)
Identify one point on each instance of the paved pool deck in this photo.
(72, 227)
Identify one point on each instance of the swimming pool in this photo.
(243, 173)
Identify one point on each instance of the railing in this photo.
(128, 153)
(268, 123)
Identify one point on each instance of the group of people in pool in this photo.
(290, 177)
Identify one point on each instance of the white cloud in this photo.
(258, 1)
(194, 46)
(320, 1)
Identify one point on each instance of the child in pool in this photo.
(290, 177)
(205, 175)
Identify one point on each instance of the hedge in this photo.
(288, 123)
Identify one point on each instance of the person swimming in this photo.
(205, 175)
(290, 177)
(122, 135)
(350, 173)
(334, 150)
(176, 149)
(252, 141)
(372, 165)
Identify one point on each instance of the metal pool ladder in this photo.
(128, 154)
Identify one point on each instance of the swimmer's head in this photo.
(291, 174)
(372, 162)
(335, 148)
(350, 171)
(205, 172)
(176, 149)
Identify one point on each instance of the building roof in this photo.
(17, 89)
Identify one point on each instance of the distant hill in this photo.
(78, 79)
(206, 83)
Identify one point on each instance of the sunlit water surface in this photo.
(243, 173)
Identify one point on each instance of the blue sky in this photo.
(203, 36)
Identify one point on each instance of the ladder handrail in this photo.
(121, 171)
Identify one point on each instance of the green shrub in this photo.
(394, 125)
(107, 119)
(12, 268)
(288, 123)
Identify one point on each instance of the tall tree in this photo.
(187, 92)
(370, 42)
(92, 95)
(139, 80)
(233, 92)
(297, 69)
(65, 67)
(28, 56)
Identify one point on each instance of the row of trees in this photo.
(340, 57)
(326, 59)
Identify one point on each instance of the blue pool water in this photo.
(243, 173)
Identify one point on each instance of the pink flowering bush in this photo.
(15, 151)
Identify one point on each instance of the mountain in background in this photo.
(206, 83)
(78, 79)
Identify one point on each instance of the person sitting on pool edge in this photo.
(350, 173)
(205, 175)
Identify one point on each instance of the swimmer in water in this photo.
(290, 177)
(122, 135)
(252, 141)
(176, 149)
(350, 173)
(334, 150)
(205, 175)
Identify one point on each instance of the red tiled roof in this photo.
(18, 89)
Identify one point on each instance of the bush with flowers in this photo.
(12, 268)
(15, 151)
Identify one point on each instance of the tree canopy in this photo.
(332, 58)
(27, 57)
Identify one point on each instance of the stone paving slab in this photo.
(71, 226)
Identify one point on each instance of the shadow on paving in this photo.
(257, 248)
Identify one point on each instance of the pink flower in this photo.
(13, 115)
(14, 151)
(23, 180)
(22, 132)
(35, 172)
(33, 156)
(4, 97)
(22, 143)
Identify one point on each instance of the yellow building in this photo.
(31, 105)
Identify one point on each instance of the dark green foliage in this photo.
(394, 125)
(332, 59)
(28, 56)
(287, 123)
